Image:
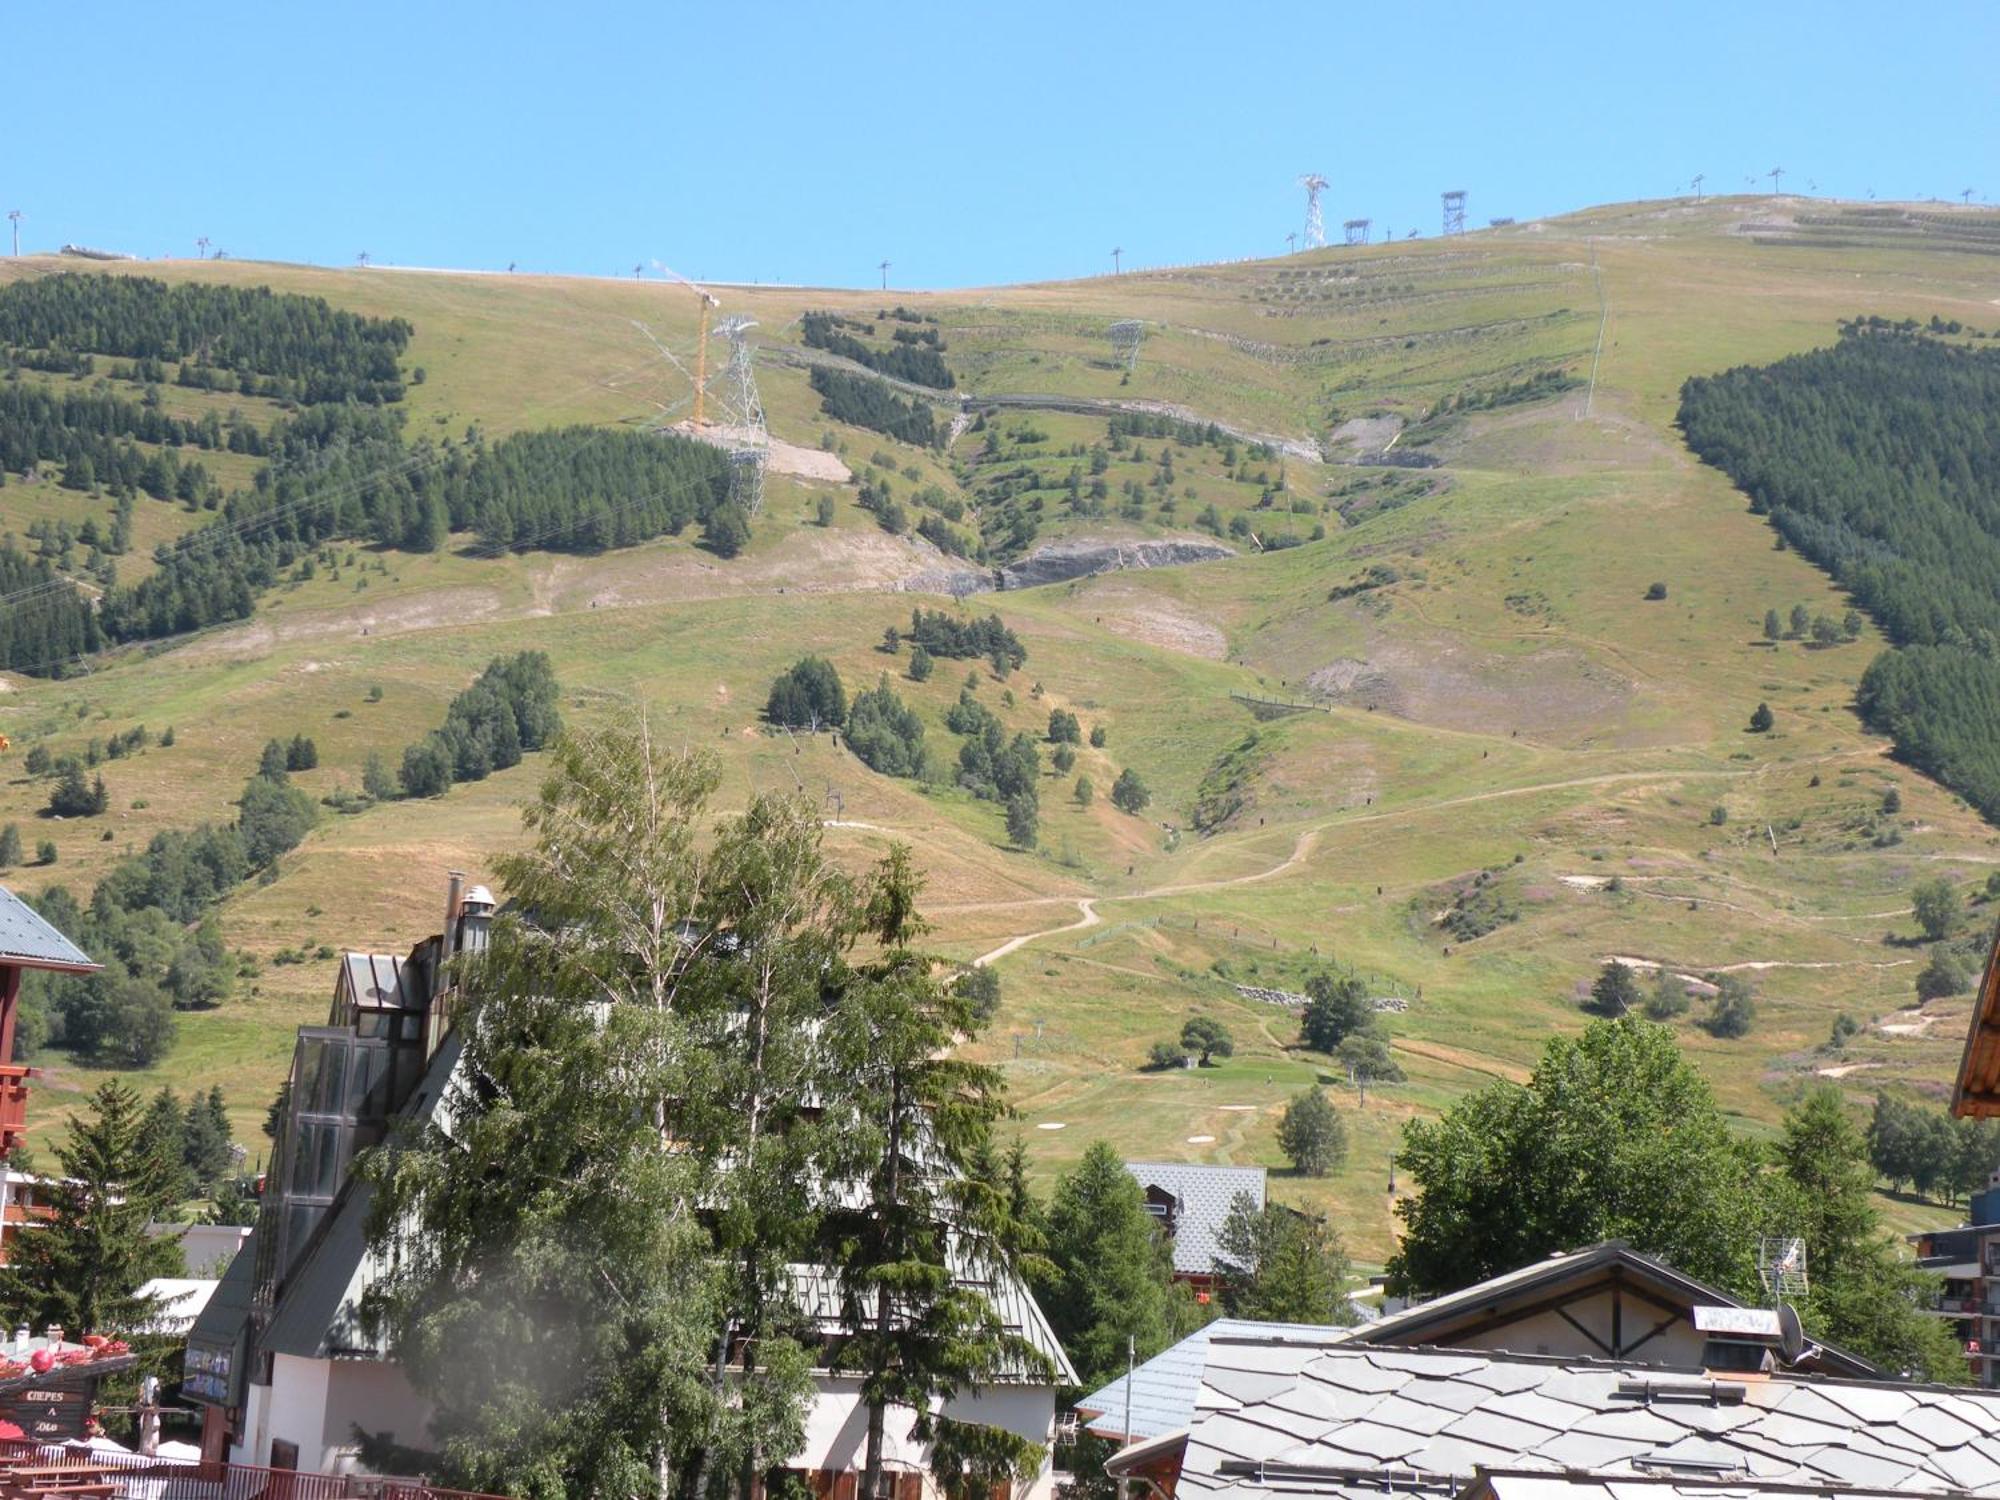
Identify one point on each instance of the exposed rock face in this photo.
(1062, 561)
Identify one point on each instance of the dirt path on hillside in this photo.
(1302, 847)
(1457, 1057)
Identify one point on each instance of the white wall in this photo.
(297, 1410)
(837, 1427)
(1548, 1333)
(373, 1395)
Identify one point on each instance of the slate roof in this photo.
(1305, 1413)
(1205, 1194)
(818, 1291)
(1163, 1387)
(1518, 1486)
(31, 942)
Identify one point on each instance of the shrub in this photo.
(1097, 737)
(1062, 758)
(1943, 975)
(1614, 991)
(1166, 1055)
(1761, 719)
(1936, 905)
(1656, 591)
(921, 664)
(45, 852)
(1085, 793)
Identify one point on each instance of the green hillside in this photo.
(1448, 474)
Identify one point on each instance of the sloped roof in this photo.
(818, 1291)
(377, 979)
(29, 940)
(1977, 1092)
(1314, 1415)
(1452, 1317)
(1163, 1387)
(1514, 1485)
(318, 1311)
(1205, 1195)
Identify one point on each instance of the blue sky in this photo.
(967, 144)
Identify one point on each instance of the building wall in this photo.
(1548, 1333)
(372, 1395)
(837, 1428)
(297, 1410)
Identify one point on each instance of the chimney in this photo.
(454, 894)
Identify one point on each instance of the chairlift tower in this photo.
(1356, 231)
(1454, 211)
(1314, 184)
(1126, 336)
(749, 438)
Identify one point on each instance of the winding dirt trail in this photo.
(1084, 904)
(1302, 848)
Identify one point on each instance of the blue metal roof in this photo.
(28, 940)
(1163, 1388)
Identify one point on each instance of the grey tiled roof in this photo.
(1163, 1388)
(1515, 1486)
(1205, 1194)
(818, 1291)
(25, 938)
(1304, 1413)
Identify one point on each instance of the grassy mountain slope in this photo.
(1493, 692)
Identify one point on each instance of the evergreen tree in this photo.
(10, 846)
(1111, 1273)
(1937, 907)
(376, 780)
(1865, 1295)
(1278, 1265)
(163, 1135)
(1773, 628)
(84, 1266)
(1761, 719)
(1311, 1133)
(1614, 992)
(1129, 793)
(912, 1117)
(273, 763)
(205, 1138)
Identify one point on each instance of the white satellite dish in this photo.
(1791, 1333)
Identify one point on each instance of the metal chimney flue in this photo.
(454, 897)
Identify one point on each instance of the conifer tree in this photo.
(83, 1267)
(1110, 1274)
(912, 1120)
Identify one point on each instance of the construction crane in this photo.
(708, 304)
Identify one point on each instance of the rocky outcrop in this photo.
(1061, 561)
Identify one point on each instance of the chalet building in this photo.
(1977, 1092)
(279, 1359)
(1190, 1204)
(1607, 1302)
(26, 942)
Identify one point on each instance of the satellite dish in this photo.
(1791, 1333)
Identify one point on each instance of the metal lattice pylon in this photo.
(1781, 1266)
(742, 412)
(1126, 337)
(1314, 184)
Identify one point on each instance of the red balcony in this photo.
(130, 1474)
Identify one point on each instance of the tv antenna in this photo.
(1116, 251)
(1781, 1266)
(1812, 184)
(1774, 174)
(1699, 179)
(1965, 195)
(15, 216)
(1292, 243)
(1314, 184)
(884, 269)
(361, 259)
(1126, 337)
(636, 269)
(1356, 231)
(1454, 211)
(201, 244)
